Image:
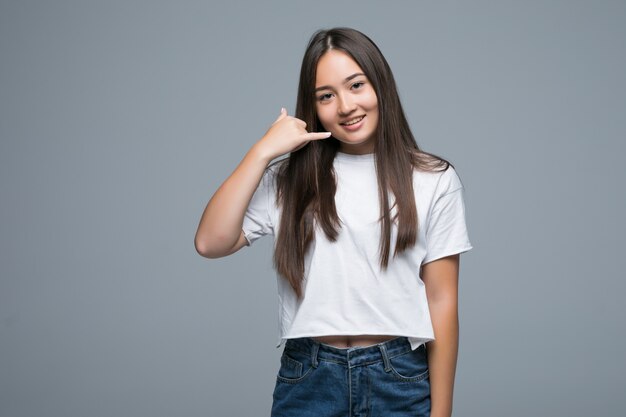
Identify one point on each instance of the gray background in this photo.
(119, 120)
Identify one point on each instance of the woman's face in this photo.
(346, 103)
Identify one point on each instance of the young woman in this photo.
(367, 230)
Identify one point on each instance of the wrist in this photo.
(259, 153)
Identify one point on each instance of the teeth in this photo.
(353, 121)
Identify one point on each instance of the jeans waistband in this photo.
(356, 355)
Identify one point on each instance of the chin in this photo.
(352, 141)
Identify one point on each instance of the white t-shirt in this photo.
(345, 291)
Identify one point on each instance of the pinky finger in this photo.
(316, 135)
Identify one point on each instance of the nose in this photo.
(346, 105)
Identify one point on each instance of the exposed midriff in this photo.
(352, 341)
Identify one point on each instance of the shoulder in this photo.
(437, 182)
(277, 165)
(444, 175)
(270, 179)
(449, 181)
(273, 170)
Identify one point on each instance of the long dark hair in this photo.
(306, 182)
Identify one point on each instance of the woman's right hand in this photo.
(287, 134)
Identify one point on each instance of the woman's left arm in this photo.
(441, 279)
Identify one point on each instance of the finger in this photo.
(300, 122)
(283, 114)
(316, 135)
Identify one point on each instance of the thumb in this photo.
(283, 114)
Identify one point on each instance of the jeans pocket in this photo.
(290, 368)
(295, 366)
(411, 366)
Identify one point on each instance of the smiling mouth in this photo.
(353, 121)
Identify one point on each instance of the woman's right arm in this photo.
(220, 230)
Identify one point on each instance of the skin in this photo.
(441, 278)
(219, 232)
(343, 92)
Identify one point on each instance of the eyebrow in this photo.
(325, 87)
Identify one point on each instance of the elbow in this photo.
(198, 243)
(200, 249)
(210, 249)
(203, 249)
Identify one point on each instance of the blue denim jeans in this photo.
(387, 379)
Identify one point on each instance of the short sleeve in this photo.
(446, 232)
(257, 219)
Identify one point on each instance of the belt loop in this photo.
(314, 349)
(383, 351)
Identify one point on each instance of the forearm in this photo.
(222, 219)
(442, 355)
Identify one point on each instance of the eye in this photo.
(358, 84)
(324, 97)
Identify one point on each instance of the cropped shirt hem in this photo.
(415, 341)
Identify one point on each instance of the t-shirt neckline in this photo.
(366, 157)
